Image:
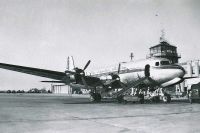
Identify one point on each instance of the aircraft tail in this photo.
(70, 63)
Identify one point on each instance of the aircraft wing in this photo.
(34, 71)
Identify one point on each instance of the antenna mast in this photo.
(162, 38)
(131, 56)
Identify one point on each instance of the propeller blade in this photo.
(86, 65)
(119, 67)
(84, 82)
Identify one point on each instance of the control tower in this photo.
(164, 50)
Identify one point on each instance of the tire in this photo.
(92, 99)
(166, 98)
(191, 100)
(98, 97)
(142, 100)
(156, 99)
(120, 99)
(125, 102)
(95, 97)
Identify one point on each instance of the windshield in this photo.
(164, 63)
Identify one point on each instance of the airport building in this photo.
(165, 50)
(61, 89)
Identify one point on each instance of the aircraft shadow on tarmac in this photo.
(129, 103)
(88, 102)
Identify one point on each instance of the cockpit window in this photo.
(164, 63)
(157, 64)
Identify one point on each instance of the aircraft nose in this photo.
(180, 71)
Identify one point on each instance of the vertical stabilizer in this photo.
(70, 63)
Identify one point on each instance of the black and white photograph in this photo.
(99, 66)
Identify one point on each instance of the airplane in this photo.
(147, 73)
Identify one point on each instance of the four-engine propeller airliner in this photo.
(148, 73)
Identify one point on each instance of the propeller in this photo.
(78, 70)
(81, 73)
(115, 77)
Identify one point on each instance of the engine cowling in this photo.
(72, 78)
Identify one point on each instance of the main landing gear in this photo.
(95, 97)
(166, 98)
(160, 95)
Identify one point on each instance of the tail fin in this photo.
(70, 63)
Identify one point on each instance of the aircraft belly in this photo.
(131, 78)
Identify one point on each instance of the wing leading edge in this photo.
(34, 71)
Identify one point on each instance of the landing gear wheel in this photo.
(191, 100)
(98, 97)
(95, 97)
(141, 98)
(125, 102)
(156, 99)
(166, 98)
(120, 99)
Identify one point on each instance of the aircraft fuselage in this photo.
(157, 71)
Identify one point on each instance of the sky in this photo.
(43, 33)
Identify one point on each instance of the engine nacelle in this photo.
(72, 78)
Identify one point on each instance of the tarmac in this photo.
(49, 113)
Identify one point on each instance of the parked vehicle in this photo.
(194, 93)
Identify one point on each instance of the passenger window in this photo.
(157, 64)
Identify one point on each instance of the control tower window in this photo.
(164, 63)
(157, 64)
